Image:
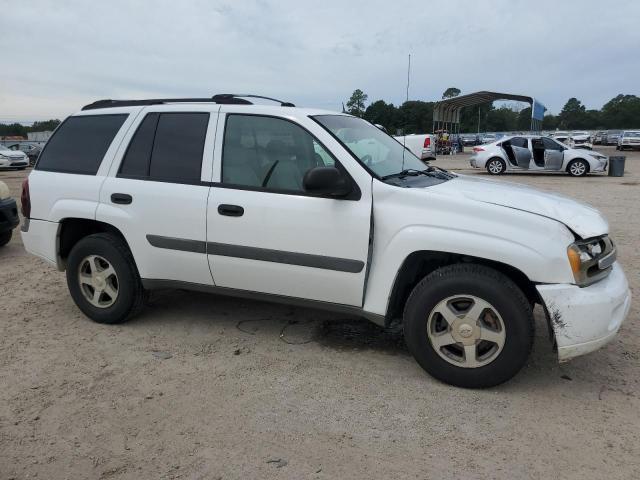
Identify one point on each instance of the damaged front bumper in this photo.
(585, 319)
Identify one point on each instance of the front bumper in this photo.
(14, 162)
(8, 215)
(585, 319)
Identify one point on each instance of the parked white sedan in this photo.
(535, 153)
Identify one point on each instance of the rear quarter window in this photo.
(80, 143)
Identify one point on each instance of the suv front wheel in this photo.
(469, 325)
(103, 279)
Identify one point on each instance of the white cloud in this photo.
(58, 56)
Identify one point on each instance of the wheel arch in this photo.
(504, 161)
(421, 263)
(587, 162)
(72, 230)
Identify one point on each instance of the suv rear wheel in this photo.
(103, 279)
(469, 325)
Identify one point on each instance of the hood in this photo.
(582, 219)
(12, 153)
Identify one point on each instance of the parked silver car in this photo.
(629, 139)
(610, 137)
(536, 153)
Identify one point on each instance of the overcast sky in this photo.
(59, 55)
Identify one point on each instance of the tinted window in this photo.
(178, 146)
(136, 160)
(79, 144)
(269, 152)
(519, 142)
(167, 147)
(551, 144)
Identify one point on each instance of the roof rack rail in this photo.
(221, 98)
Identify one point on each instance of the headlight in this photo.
(591, 259)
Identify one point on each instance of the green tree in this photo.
(451, 92)
(550, 122)
(47, 125)
(573, 114)
(385, 114)
(622, 111)
(523, 121)
(416, 116)
(503, 119)
(355, 104)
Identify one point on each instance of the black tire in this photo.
(484, 283)
(572, 167)
(494, 162)
(131, 295)
(5, 237)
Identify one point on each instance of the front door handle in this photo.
(121, 198)
(230, 210)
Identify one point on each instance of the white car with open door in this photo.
(534, 153)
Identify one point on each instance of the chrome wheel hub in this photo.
(578, 168)
(466, 331)
(98, 281)
(495, 167)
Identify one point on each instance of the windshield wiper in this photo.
(409, 172)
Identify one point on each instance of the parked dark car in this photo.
(8, 215)
(470, 139)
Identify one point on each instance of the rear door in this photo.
(553, 154)
(265, 233)
(156, 192)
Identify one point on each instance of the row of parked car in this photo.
(19, 154)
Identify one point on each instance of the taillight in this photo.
(25, 199)
(427, 142)
(478, 149)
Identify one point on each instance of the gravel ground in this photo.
(201, 386)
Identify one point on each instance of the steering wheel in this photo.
(367, 160)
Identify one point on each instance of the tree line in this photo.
(17, 129)
(415, 116)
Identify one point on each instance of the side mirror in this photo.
(326, 181)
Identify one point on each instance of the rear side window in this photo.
(167, 147)
(79, 144)
(136, 160)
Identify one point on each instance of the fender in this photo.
(533, 244)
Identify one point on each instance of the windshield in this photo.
(381, 153)
(632, 134)
(3, 148)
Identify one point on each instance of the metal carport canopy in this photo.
(448, 111)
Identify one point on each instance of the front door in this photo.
(553, 154)
(264, 232)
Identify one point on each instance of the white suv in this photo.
(275, 203)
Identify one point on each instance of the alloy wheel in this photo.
(495, 166)
(466, 331)
(98, 281)
(577, 169)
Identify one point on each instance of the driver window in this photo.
(519, 142)
(551, 145)
(269, 153)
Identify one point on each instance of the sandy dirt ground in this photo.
(207, 387)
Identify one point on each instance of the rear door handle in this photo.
(121, 198)
(230, 210)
